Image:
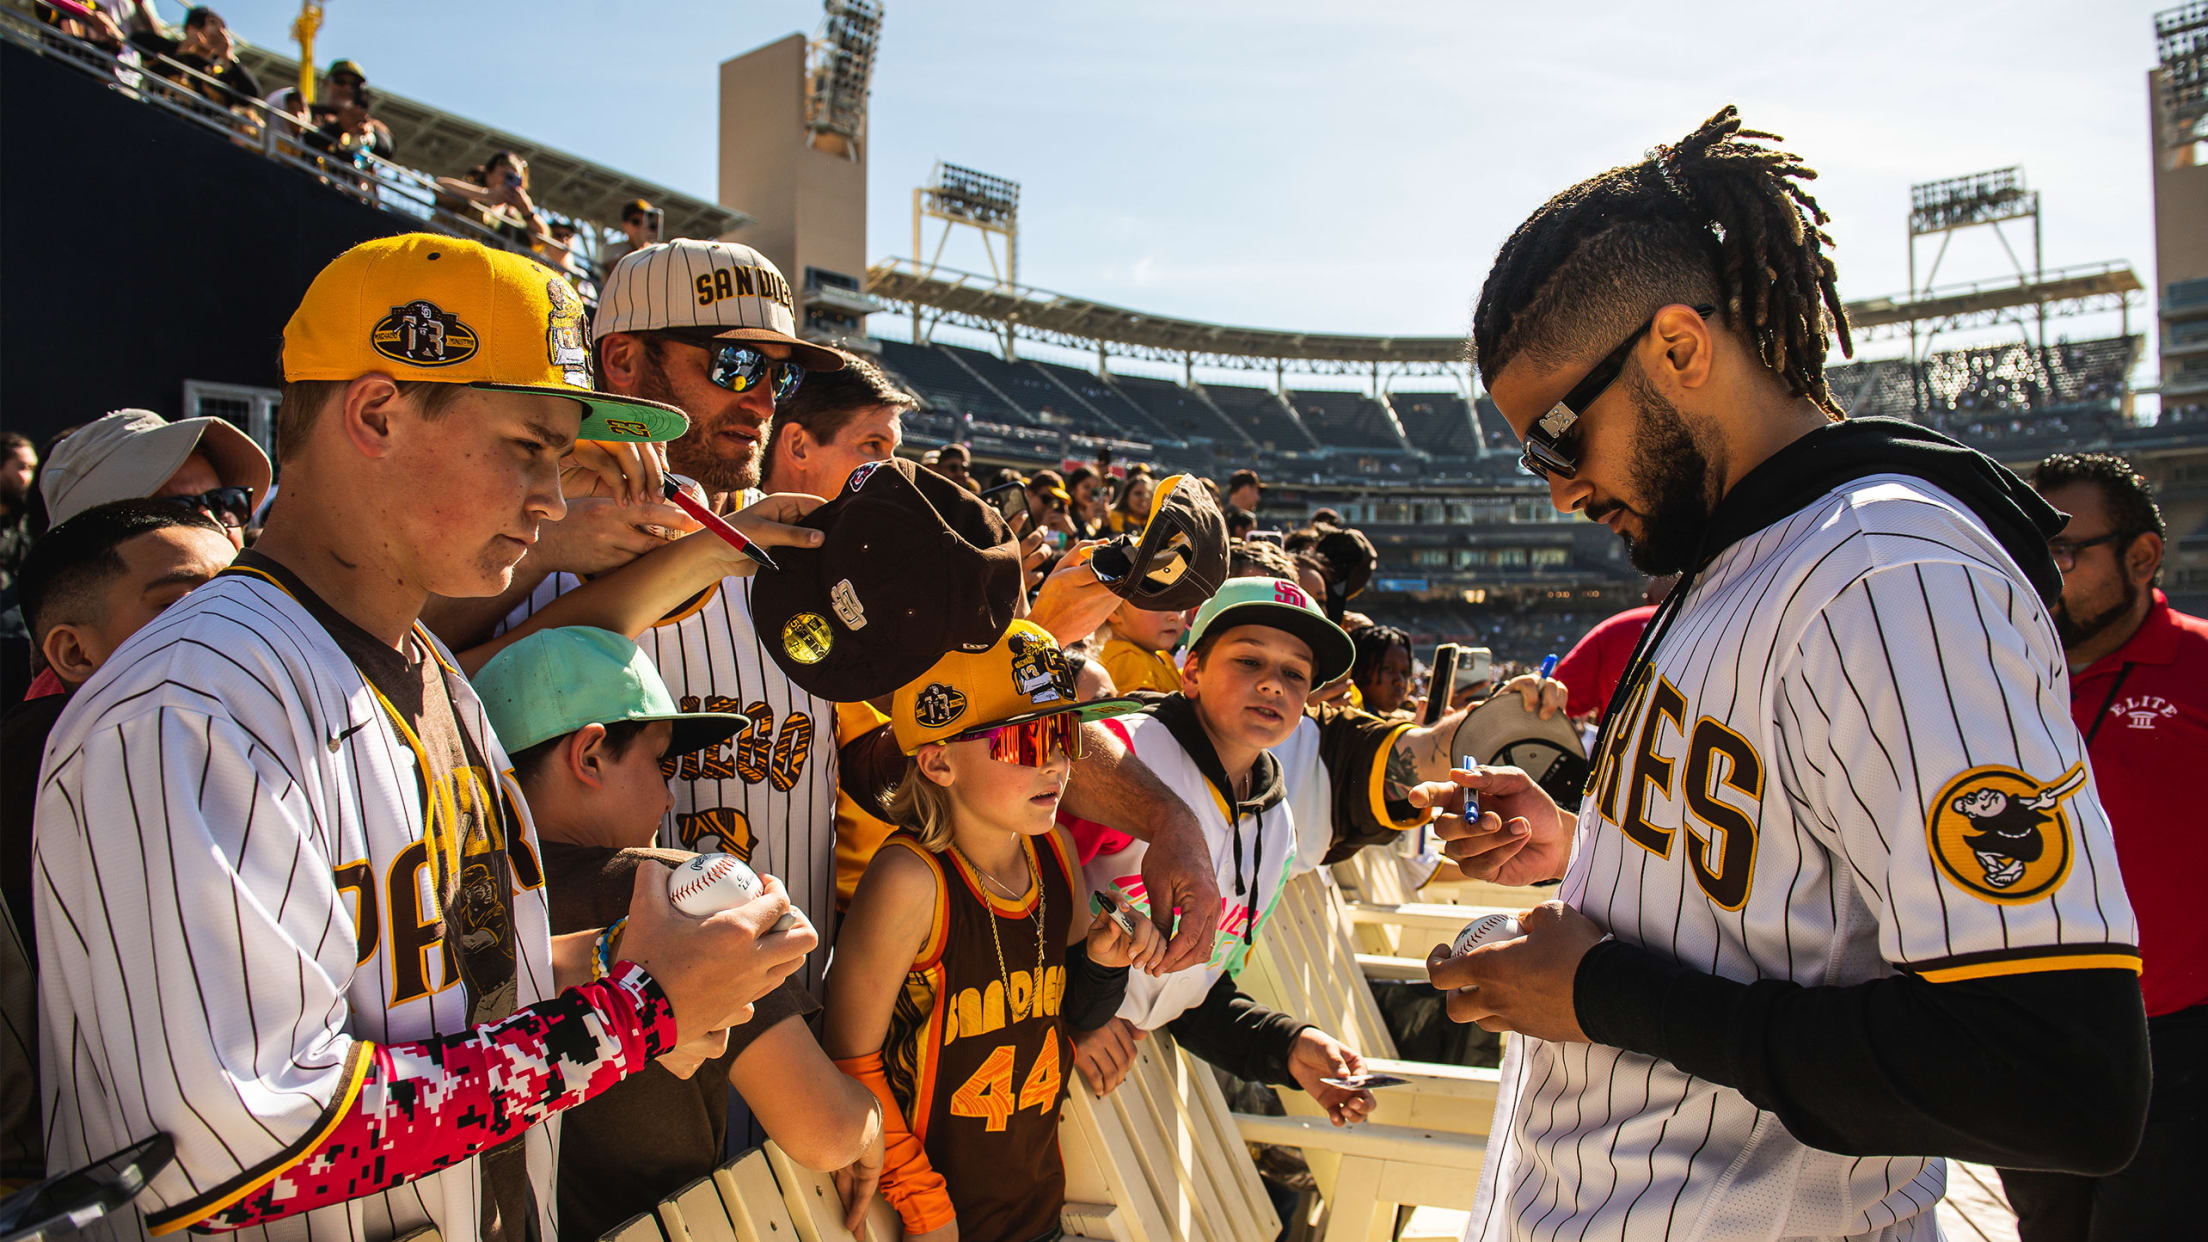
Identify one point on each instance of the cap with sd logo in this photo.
(420, 307)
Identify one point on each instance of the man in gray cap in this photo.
(205, 463)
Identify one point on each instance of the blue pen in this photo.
(1548, 665)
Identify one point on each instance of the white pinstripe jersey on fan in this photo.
(1846, 744)
(233, 884)
(768, 795)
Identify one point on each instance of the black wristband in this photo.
(1093, 992)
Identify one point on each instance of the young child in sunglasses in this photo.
(969, 946)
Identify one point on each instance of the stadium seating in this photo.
(1338, 419)
(1437, 423)
(1261, 411)
(1107, 403)
(1181, 412)
(948, 386)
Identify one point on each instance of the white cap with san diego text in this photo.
(706, 290)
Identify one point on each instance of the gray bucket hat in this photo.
(129, 454)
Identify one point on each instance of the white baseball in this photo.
(1487, 929)
(711, 883)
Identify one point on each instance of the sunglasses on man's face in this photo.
(231, 506)
(1031, 743)
(740, 368)
(1552, 450)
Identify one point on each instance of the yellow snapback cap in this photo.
(421, 306)
(1024, 677)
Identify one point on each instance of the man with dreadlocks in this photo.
(1779, 983)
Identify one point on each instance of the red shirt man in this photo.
(2144, 711)
(2139, 695)
(1591, 670)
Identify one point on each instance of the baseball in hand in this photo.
(711, 883)
(1488, 929)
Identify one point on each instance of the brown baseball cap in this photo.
(912, 566)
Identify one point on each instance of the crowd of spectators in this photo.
(126, 517)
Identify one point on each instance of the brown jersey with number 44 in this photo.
(976, 1054)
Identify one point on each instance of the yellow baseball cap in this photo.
(420, 306)
(1024, 677)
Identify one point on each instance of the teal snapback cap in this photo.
(556, 681)
(1284, 606)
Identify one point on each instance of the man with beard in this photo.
(707, 327)
(2139, 693)
(1776, 986)
(18, 467)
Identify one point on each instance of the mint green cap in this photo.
(1284, 606)
(556, 681)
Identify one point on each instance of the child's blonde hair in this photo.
(922, 807)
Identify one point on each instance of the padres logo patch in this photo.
(419, 334)
(938, 705)
(2001, 835)
(806, 638)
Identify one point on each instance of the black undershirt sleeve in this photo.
(2046, 1070)
(1093, 991)
(1240, 1036)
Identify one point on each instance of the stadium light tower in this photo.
(990, 205)
(1945, 208)
(2178, 84)
(839, 75)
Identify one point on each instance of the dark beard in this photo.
(1673, 476)
(689, 454)
(2076, 632)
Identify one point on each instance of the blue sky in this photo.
(1343, 167)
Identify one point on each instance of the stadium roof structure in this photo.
(444, 144)
(935, 294)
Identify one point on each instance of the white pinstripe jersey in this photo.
(1810, 784)
(233, 885)
(767, 795)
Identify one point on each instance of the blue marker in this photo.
(1548, 665)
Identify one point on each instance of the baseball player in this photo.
(291, 903)
(1841, 897)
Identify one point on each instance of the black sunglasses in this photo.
(231, 506)
(1546, 454)
(739, 368)
(2065, 551)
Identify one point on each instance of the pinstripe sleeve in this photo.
(198, 949)
(1927, 736)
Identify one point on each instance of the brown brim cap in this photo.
(1503, 732)
(1180, 557)
(912, 566)
(706, 290)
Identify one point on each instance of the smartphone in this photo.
(1273, 537)
(1365, 1082)
(654, 218)
(60, 1206)
(1010, 500)
(1101, 902)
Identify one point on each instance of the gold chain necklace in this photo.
(1035, 874)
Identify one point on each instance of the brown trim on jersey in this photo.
(988, 898)
(2025, 960)
(691, 609)
(939, 929)
(190, 1212)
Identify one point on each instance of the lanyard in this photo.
(2102, 714)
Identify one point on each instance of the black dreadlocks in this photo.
(1717, 217)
